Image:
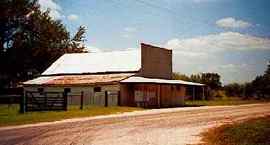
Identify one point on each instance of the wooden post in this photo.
(46, 106)
(81, 107)
(193, 93)
(65, 95)
(118, 98)
(203, 93)
(22, 105)
(106, 99)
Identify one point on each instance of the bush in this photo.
(217, 94)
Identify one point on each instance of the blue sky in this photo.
(231, 37)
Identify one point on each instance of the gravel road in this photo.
(175, 126)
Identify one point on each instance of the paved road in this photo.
(156, 127)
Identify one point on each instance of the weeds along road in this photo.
(174, 126)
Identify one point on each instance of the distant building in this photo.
(126, 78)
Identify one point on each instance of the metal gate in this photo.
(44, 101)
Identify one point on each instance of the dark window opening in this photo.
(189, 90)
(40, 90)
(67, 90)
(97, 89)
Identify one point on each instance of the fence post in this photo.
(81, 107)
(65, 100)
(118, 98)
(193, 93)
(106, 99)
(46, 101)
(22, 105)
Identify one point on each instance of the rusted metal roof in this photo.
(136, 79)
(78, 79)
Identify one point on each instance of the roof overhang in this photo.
(78, 80)
(137, 79)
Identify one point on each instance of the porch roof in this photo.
(137, 79)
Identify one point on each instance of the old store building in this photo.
(127, 78)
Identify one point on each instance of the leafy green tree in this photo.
(267, 72)
(261, 84)
(30, 40)
(179, 76)
(196, 78)
(235, 90)
(212, 80)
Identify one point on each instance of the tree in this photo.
(261, 85)
(196, 78)
(179, 76)
(30, 40)
(267, 72)
(211, 79)
(235, 90)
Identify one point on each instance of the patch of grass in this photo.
(250, 132)
(9, 115)
(222, 102)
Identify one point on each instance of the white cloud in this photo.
(92, 49)
(233, 67)
(128, 49)
(191, 54)
(231, 22)
(72, 17)
(55, 9)
(221, 53)
(228, 41)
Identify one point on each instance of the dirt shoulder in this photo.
(253, 131)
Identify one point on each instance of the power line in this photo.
(167, 10)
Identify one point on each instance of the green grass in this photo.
(9, 115)
(222, 102)
(251, 132)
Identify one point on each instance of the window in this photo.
(97, 89)
(40, 90)
(189, 90)
(67, 90)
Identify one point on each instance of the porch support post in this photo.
(81, 107)
(193, 93)
(203, 93)
(23, 102)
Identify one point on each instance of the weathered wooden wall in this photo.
(156, 62)
(127, 95)
(172, 95)
(152, 95)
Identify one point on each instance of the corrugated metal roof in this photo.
(100, 62)
(78, 79)
(136, 79)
